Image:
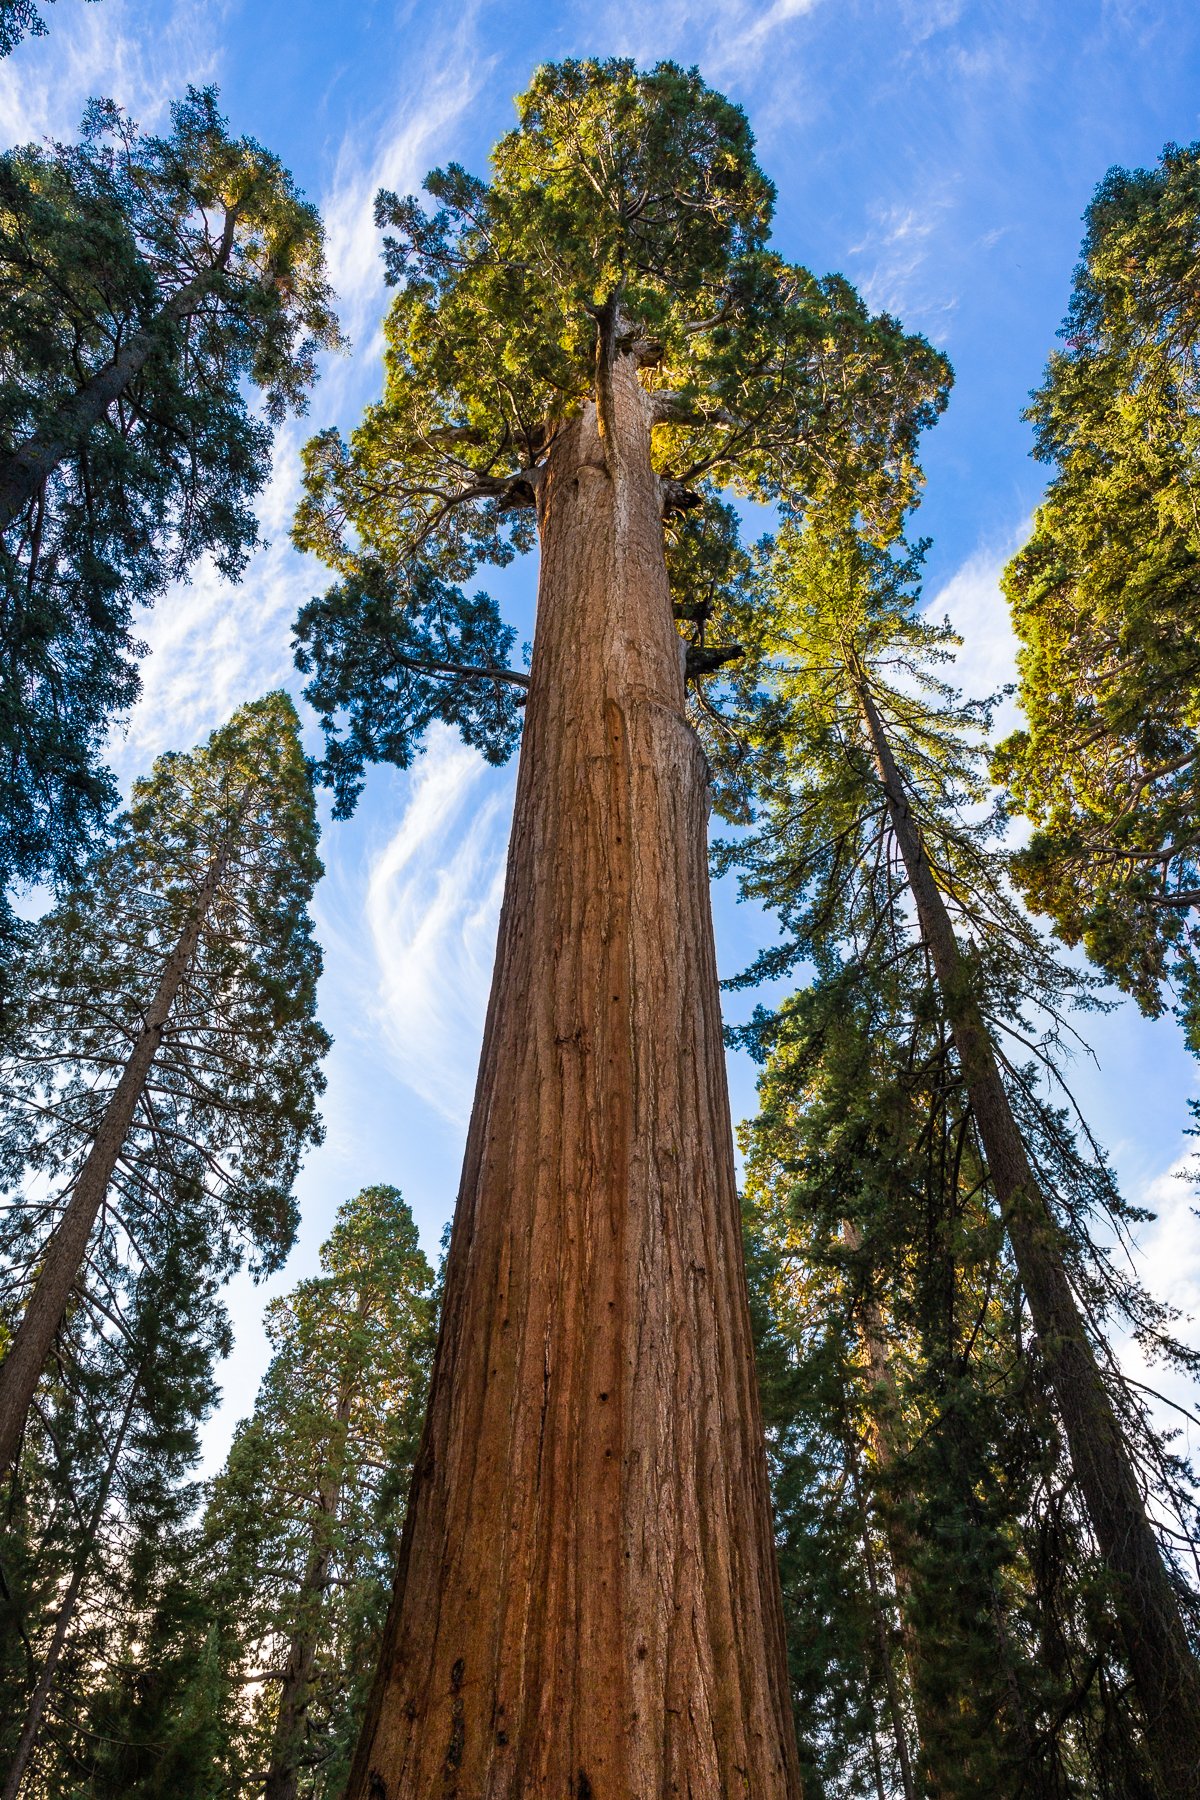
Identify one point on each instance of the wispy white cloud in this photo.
(395, 155)
(432, 902)
(977, 609)
(922, 18)
(735, 34)
(895, 260)
(142, 56)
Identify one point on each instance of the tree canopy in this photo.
(150, 285)
(623, 202)
(1103, 599)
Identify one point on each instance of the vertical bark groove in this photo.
(587, 1601)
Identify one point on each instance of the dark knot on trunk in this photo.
(706, 659)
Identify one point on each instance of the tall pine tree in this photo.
(167, 1035)
(303, 1522)
(101, 1494)
(865, 765)
(948, 1609)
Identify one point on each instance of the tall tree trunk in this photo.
(66, 1611)
(1165, 1672)
(887, 1448)
(879, 1618)
(24, 469)
(287, 1743)
(587, 1601)
(22, 1368)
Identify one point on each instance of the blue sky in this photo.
(937, 152)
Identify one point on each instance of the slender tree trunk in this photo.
(1165, 1672)
(66, 1612)
(587, 1602)
(22, 1368)
(882, 1633)
(885, 1443)
(25, 468)
(287, 1743)
(282, 1780)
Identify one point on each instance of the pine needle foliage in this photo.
(227, 1105)
(302, 1524)
(152, 287)
(1103, 600)
(100, 1503)
(821, 852)
(624, 201)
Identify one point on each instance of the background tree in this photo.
(1103, 600)
(148, 286)
(865, 765)
(302, 1525)
(593, 339)
(909, 1414)
(17, 17)
(100, 1497)
(167, 1035)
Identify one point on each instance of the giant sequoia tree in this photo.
(867, 848)
(166, 1040)
(1104, 595)
(583, 350)
(148, 286)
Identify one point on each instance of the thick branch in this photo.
(467, 671)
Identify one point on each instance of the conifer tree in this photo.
(863, 762)
(150, 285)
(588, 344)
(101, 1488)
(910, 1414)
(167, 1037)
(303, 1522)
(1103, 600)
(18, 17)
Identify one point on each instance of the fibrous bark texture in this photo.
(587, 1602)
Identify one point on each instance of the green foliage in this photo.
(193, 255)
(1104, 595)
(907, 1407)
(18, 17)
(303, 1523)
(102, 1495)
(877, 1197)
(230, 1104)
(624, 202)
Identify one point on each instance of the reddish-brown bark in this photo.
(587, 1602)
